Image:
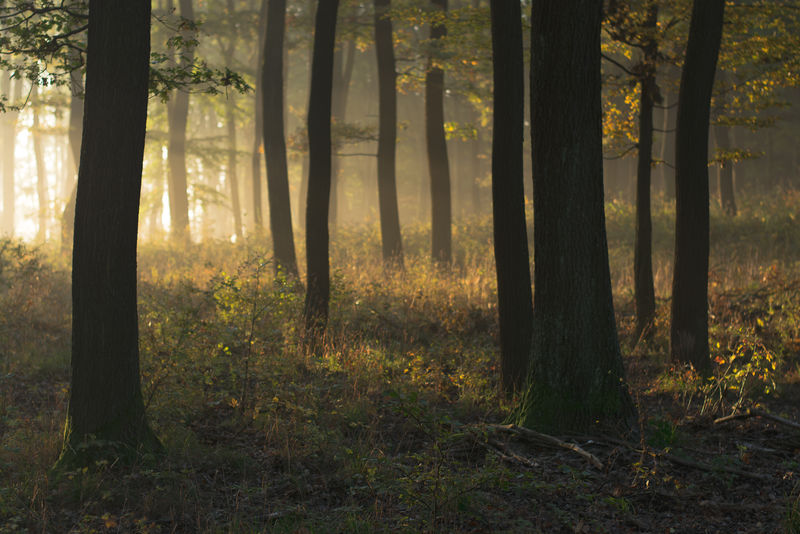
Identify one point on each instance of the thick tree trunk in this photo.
(577, 371)
(106, 413)
(689, 330)
(515, 305)
(438, 165)
(280, 208)
(258, 122)
(177, 119)
(387, 136)
(644, 292)
(319, 175)
(41, 171)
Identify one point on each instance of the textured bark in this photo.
(644, 292)
(577, 371)
(387, 136)
(280, 207)
(438, 166)
(319, 172)
(106, 411)
(177, 119)
(258, 122)
(41, 171)
(515, 305)
(689, 329)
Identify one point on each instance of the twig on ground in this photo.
(538, 437)
(758, 413)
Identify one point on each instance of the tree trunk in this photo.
(75, 131)
(438, 166)
(177, 119)
(41, 171)
(106, 412)
(387, 136)
(9, 124)
(577, 371)
(319, 174)
(258, 134)
(644, 292)
(280, 208)
(343, 62)
(689, 330)
(668, 148)
(515, 304)
(727, 197)
(231, 174)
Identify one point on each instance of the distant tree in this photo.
(41, 170)
(515, 304)
(74, 134)
(438, 165)
(343, 64)
(387, 136)
(177, 118)
(258, 122)
(576, 368)
(727, 195)
(689, 329)
(8, 121)
(319, 174)
(105, 400)
(228, 46)
(280, 208)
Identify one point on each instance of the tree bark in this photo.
(41, 171)
(387, 136)
(319, 174)
(577, 371)
(258, 122)
(689, 329)
(280, 208)
(438, 165)
(644, 292)
(106, 413)
(515, 305)
(177, 119)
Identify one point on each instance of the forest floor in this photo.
(397, 425)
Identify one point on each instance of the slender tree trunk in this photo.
(9, 152)
(41, 171)
(105, 400)
(280, 208)
(231, 174)
(343, 62)
(515, 303)
(576, 367)
(75, 131)
(438, 165)
(644, 292)
(689, 330)
(258, 134)
(668, 148)
(177, 119)
(387, 136)
(319, 175)
(727, 196)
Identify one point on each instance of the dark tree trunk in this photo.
(689, 330)
(515, 304)
(177, 119)
(577, 371)
(319, 172)
(41, 171)
(258, 134)
(438, 166)
(644, 292)
(105, 403)
(668, 148)
(387, 136)
(280, 207)
(75, 127)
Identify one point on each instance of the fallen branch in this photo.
(758, 413)
(538, 437)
